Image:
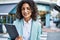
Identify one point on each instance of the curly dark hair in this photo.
(32, 6)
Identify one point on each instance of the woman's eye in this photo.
(23, 8)
(28, 8)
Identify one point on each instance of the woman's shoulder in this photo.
(16, 21)
(37, 22)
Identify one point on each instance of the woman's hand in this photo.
(19, 38)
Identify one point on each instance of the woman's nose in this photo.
(25, 10)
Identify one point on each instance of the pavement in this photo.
(53, 36)
(52, 33)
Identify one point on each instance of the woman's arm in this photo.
(39, 31)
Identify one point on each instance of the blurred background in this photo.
(49, 13)
(47, 9)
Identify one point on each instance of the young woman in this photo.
(26, 23)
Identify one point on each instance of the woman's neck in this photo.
(27, 19)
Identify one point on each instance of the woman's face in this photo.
(26, 10)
